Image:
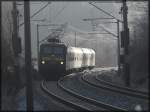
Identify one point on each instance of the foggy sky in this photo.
(73, 14)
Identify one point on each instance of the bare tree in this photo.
(139, 50)
(7, 58)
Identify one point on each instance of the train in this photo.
(57, 58)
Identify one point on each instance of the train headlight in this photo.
(43, 62)
(61, 62)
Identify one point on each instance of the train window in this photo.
(92, 56)
(46, 50)
(58, 50)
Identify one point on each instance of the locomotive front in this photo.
(52, 58)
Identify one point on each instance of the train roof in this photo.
(56, 43)
(80, 48)
(69, 47)
(86, 50)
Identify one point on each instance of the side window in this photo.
(91, 56)
(70, 56)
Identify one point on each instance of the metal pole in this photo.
(118, 47)
(38, 45)
(29, 94)
(126, 67)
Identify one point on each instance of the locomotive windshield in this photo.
(58, 50)
(52, 50)
(47, 50)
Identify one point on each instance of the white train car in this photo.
(79, 58)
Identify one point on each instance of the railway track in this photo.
(95, 81)
(75, 92)
(79, 88)
(87, 99)
(67, 99)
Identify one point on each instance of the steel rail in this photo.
(115, 88)
(98, 103)
(63, 100)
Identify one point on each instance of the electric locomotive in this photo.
(52, 57)
(57, 58)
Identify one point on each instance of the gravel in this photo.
(110, 76)
(21, 101)
(7, 98)
(41, 101)
(119, 100)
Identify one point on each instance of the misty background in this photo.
(73, 14)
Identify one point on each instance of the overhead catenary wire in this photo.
(21, 3)
(79, 37)
(104, 11)
(108, 31)
(76, 29)
(40, 10)
(87, 33)
(36, 13)
(44, 39)
(96, 39)
(55, 17)
(60, 11)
